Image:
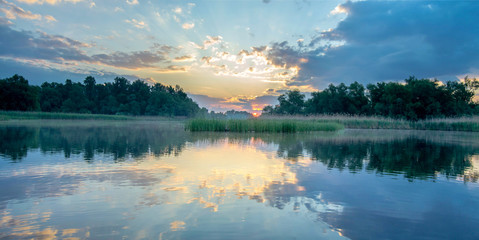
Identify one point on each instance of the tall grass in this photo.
(260, 125)
(350, 121)
(470, 124)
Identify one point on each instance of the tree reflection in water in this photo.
(160, 168)
(416, 154)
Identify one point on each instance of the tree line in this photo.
(415, 99)
(118, 97)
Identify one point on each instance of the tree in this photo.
(90, 93)
(17, 94)
(413, 99)
(292, 102)
(51, 98)
(358, 102)
(339, 99)
(268, 110)
(141, 93)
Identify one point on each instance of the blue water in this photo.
(149, 180)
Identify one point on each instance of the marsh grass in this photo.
(260, 125)
(469, 124)
(272, 123)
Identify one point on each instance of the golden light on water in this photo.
(214, 177)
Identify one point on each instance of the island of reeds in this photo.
(261, 125)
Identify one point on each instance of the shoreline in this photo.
(462, 124)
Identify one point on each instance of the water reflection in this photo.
(89, 138)
(153, 180)
(414, 154)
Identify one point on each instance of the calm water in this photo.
(107, 180)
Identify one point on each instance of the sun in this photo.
(255, 114)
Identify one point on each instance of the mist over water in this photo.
(146, 180)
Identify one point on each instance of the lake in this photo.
(153, 180)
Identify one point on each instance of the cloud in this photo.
(339, 9)
(4, 21)
(210, 41)
(51, 2)
(388, 40)
(172, 69)
(25, 44)
(214, 104)
(133, 60)
(55, 48)
(238, 103)
(137, 23)
(248, 64)
(188, 25)
(37, 73)
(132, 2)
(186, 58)
(50, 18)
(12, 11)
(178, 10)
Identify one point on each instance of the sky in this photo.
(241, 55)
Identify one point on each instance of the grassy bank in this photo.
(273, 123)
(16, 115)
(260, 125)
(470, 124)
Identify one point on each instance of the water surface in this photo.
(146, 180)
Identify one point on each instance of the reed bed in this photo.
(351, 121)
(260, 125)
(268, 123)
(468, 123)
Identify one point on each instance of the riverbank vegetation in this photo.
(467, 123)
(421, 104)
(119, 97)
(17, 115)
(415, 99)
(261, 125)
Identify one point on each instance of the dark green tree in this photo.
(17, 94)
(292, 102)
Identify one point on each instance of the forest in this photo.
(120, 97)
(413, 100)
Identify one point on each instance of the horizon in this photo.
(239, 55)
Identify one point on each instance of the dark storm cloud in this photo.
(281, 54)
(25, 44)
(42, 46)
(389, 41)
